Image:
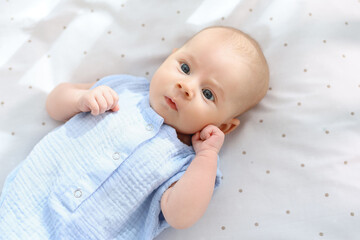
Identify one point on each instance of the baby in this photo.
(135, 157)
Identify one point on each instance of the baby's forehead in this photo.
(240, 44)
(227, 36)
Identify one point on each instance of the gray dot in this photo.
(149, 127)
(116, 156)
(78, 193)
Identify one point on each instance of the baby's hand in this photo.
(210, 138)
(99, 100)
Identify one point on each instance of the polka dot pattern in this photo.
(294, 159)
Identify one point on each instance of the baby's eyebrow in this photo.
(217, 86)
(191, 58)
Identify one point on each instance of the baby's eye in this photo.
(185, 68)
(208, 94)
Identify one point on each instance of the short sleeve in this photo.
(177, 176)
(162, 222)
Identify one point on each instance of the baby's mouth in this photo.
(171, 103)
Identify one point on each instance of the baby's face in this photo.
(200, 84)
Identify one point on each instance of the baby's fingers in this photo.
(92, 106)
(115, 106)
(195, 137)
(107, 100)
(196, 141)
(99, 100)
(102, 104)
(208, 131)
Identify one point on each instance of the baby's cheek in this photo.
(197, 123)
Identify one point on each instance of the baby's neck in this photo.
(185, 138)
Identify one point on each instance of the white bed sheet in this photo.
(291, 170)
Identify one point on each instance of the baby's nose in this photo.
(188, 93)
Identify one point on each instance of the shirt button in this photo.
(116, 156)
(78, 193)
(149, 127)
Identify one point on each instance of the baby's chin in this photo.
(181, 129)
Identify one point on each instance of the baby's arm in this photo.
(185, 202)
(68, 99)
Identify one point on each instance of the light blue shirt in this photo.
(97, 177)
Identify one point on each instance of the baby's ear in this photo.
(229, 126)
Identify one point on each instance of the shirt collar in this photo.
(150, 116)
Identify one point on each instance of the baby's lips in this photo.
(171, 103)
